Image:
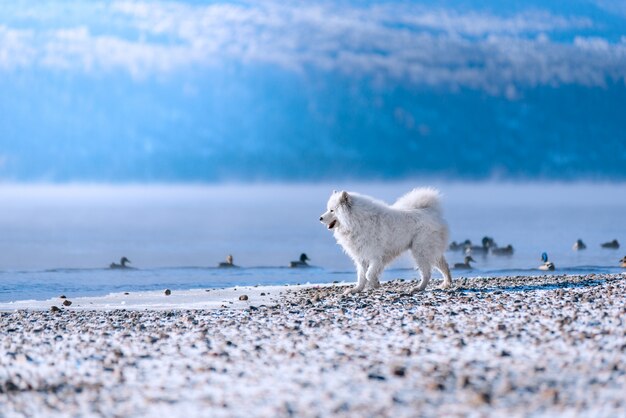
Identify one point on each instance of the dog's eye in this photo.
(331, 211)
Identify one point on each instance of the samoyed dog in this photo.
(374, 233)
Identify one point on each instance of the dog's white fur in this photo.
(373, 233)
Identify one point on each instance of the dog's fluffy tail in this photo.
(420, 198)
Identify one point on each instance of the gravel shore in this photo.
(508, 346)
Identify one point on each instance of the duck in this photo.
(301, 263)
(579, 245)
(547, 265)
(454, 246)
(228, 263)
(622, 262)
(121, 265)
(611, 244)
(508, 250)
(465, 265)
(487, 242)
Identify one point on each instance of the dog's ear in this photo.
(345, 199)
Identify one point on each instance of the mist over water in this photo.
(58, 239)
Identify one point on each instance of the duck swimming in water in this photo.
(579, 245)
(508, 250)
(612, 244)
(454, 246)
(301, 263)
(547, 265)
(465, 265)
(622, 262)
(487, 242)
(228, 263)
(121, 265)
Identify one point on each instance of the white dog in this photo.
(373, 233)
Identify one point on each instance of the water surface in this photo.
(61, 239)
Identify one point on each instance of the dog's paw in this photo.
(351, 291)
(445, 286)
(416, 290)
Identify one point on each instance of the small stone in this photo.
(482, 398)
(438, 386)
(54, 309)
(399, 371)
(126, 293)
(501, 327)
(67, 302)
(62, 297)
(551, 395)
(262, 293)
(243, 297)
(168, 292)
(10, 386)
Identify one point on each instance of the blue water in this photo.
(60, 239)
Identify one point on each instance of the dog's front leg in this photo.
(361, 281)
(373, 273)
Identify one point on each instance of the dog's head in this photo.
(336, 207)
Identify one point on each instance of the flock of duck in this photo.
(229, 263)
(490, 247)
(302, 262)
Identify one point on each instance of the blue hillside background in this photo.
(312, 91)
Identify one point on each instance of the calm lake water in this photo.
(61, 239)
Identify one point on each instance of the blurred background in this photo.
(178, 132)
(187, 91)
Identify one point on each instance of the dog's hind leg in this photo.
(442, 266)
(373, 284)
(425, 270)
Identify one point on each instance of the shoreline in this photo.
(264, 295)
(157, 300)
(519, 346)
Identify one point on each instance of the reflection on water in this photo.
(59, 239)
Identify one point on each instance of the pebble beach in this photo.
(509, 346)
